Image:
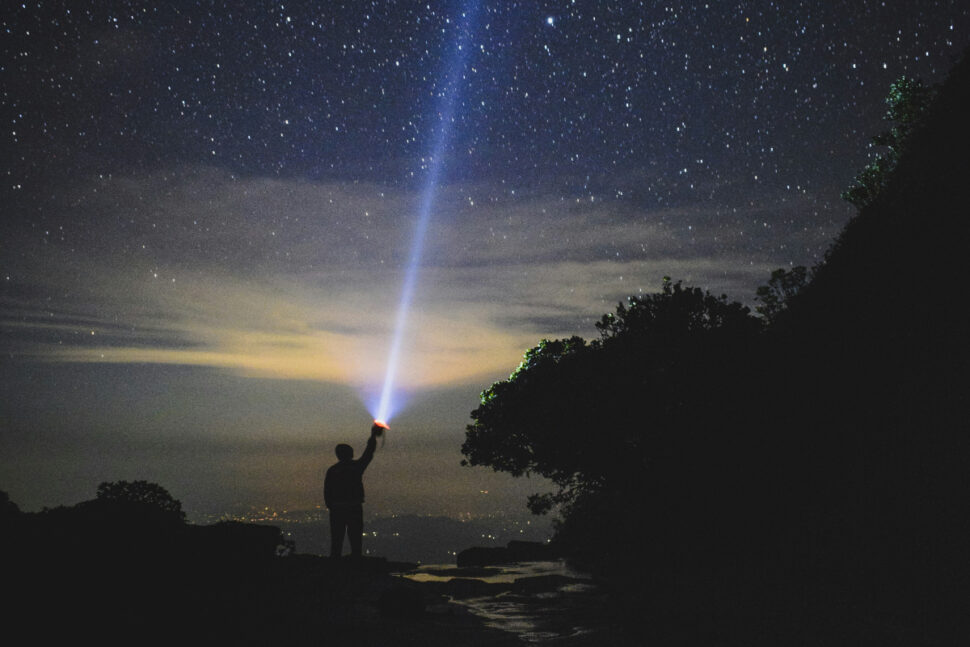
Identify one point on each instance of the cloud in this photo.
(290, 279)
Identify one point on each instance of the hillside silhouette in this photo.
(880, 334)
(875, 358)
(801, 477)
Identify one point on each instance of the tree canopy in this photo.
(142, 494)
(591, 416)
(778, 293)
(907, 104)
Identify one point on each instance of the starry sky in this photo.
(208, 209)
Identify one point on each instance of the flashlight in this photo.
(382, 425)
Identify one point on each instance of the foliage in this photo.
(592, 417)
(142, 494)
(777, 294)
(674, 313)
(528, 408)
(907, 102)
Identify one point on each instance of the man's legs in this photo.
(338, 525)
(355, 528)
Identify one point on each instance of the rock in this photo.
(530, 551)
(514, 551)
(481, 556)
(401, 602)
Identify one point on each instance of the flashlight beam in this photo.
(446, 112)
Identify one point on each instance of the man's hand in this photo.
(377, 430)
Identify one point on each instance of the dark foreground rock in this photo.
(294, 600)
(122, 573)
(514, 551)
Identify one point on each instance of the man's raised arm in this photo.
(368, 454)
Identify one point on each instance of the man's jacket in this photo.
(344, 485)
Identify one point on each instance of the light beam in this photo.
(446, 111)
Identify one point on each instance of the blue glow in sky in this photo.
(391, 397)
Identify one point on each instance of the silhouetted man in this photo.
(343, 492)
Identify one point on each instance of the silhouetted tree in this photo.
(141, 493)
(602, 419)
(782, 286)
(907, 103)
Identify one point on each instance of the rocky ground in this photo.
(295, 600)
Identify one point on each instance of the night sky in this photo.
(208, 209)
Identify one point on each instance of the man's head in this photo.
(345, 452)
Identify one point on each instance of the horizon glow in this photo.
(391, 398)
